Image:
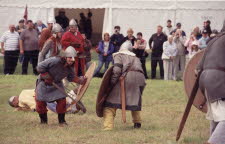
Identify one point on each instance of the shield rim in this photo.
(186, 84)
(102, 92)
(83, 88)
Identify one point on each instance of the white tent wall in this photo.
(11, 15)
(193, 18)
(145, 21)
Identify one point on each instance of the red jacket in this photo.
(69, 37)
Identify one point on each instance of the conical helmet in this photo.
(73, 22)
(57, 28)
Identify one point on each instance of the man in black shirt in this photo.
(158, 39)
(62, 19)
(117, 38)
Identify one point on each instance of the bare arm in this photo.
(2, 46)
(21, 47)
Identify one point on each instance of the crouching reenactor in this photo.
(52, 71)
(128, 66)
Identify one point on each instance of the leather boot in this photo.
(137, 125)
(61, 118)
(43, 118)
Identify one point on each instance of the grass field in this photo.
(163, 106)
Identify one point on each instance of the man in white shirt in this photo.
(169, 28)
(10, 49)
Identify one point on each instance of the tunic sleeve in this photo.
(117, 69)
(44, 66)
(45, 50)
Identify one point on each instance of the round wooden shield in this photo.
(189, 80)
(82, 88)
(102, 93)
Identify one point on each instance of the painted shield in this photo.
(189, 80)
(103, 92)
(82, 88)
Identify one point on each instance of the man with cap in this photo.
(46, 33)
(203, 41)
(125, 62)
(62, 19)
(74, 38)
(53, 70)
(178, 26)
(52, 46)
(117, 38)
(211, 69)
(26, 102)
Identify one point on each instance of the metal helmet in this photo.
(73, 22)
(70, 52)
(11, 101)
(57, 28)
(127, 45)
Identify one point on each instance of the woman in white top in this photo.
(169, 53)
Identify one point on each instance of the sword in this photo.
(188, 106)
(62, 91)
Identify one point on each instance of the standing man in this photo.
(74, 38)
(39, 26)
(21, 26)
(89, 26)
(178, 26)
(87, 49)
(125, 62)
(46, 33)
(157, 49)
(83, 23)
(208, 27)
(10, 49)
(139, 50)
(62, 19)
(29, 47)
(169, 28)
(180, 59)
(54, 70)
(117, 38)
(203, 41)
(211, 69)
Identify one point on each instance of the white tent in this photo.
(141, 15)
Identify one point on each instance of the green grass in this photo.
(163, 106)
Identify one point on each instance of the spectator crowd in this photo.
(169, 47)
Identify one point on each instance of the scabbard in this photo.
(123, 98)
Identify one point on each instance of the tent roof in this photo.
(129, 4)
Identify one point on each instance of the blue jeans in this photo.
(100, 65)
